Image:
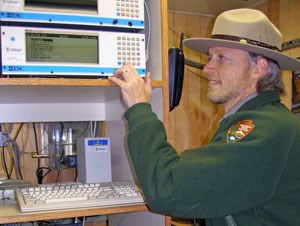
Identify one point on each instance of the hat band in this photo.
(245, 41)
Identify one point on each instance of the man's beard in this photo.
(217, 99)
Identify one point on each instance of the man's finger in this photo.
(118, 71)
(148, 79)
(117, 81)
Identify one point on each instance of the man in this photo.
(249, 174)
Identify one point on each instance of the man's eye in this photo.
(221, 57)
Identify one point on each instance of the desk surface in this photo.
(10, 213)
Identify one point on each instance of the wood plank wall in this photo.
(290, 27)
(193, 122)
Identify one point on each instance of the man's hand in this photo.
(134, 88)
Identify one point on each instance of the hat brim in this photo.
(203, 44)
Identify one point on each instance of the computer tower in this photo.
(94, 160)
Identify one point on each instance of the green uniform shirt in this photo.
(249, 174)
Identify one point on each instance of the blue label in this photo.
(54, 70)
(98, 142)
(15, 68)
(73, 19)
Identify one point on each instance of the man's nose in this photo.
(209, 67)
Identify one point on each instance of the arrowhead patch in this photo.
(239, 130)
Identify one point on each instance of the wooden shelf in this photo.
(9, 212)
(61, 82)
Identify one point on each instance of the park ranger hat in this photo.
(248, 30)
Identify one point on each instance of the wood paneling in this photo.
(290, 28)
(194, 120)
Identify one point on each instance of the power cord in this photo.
(6, 141)
(3, 143)
(8, 174)
(40, 173)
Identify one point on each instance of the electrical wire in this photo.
(16, 148)
(125, 215)
(18, 132)
(7, 128)
(93, 128)
(17, 151)
(51, 222)
(39, 171)
(83, 221)
(8, 175)
(58, 177)
(36, 141)
(77, 133)
(25, 140)
(75, 174)
(15, 154)
(12, 162)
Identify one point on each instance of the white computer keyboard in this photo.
(77, 195)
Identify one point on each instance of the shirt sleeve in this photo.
(213, 180)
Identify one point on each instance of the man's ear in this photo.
(260, 68)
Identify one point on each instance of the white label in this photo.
(10, 5)
(101, 149)
(11, 2)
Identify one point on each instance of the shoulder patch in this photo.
(239, 130)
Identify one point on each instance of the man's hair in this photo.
(273, 79)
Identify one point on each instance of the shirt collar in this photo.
(236, 107)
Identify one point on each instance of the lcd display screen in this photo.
(62, 48)
(82, 4)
